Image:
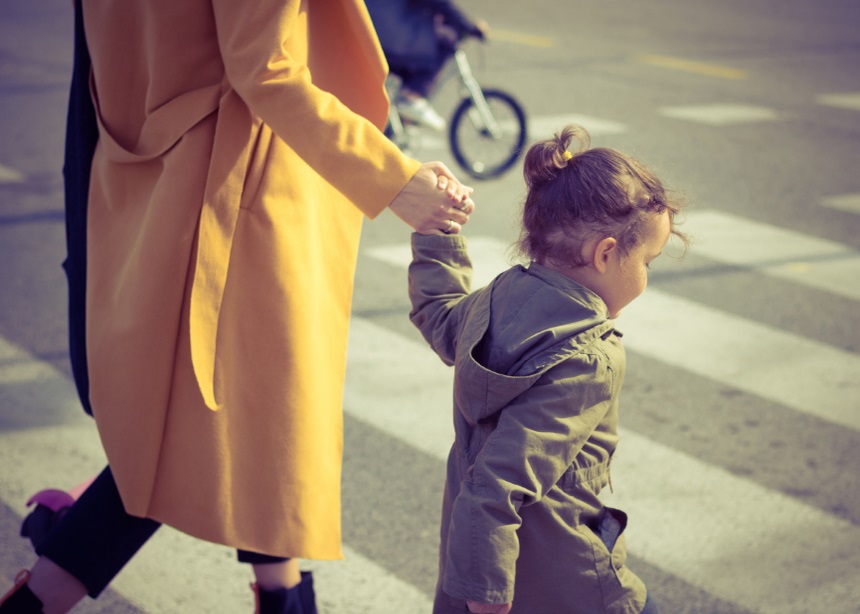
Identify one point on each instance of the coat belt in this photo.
(220, 207)
(218, 217)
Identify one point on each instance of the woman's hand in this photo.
(489, 608)
(434, 201)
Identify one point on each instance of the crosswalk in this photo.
(740, 429)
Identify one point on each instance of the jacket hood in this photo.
(525, 322)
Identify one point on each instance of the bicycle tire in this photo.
(465, 135)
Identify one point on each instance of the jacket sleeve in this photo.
(537, 438)
(346, 149)
(440, 278)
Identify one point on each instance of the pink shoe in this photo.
(51, 506)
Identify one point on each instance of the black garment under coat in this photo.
(81, 138)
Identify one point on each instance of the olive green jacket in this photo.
(538, 370)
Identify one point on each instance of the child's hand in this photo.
(489, 608)
(429, 209)
(457, 192)
(457, 207)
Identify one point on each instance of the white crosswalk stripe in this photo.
(720, 114)
(804, 375)
(844, 202)
(732, 537)
(17, 366)
(539, 127)
(546, 125)
(793, 256)
(846, 100)
(10, 175)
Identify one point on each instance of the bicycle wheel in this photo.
(481, 152)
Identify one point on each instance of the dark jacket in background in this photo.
(407, 32)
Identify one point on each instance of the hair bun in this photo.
(545, 159)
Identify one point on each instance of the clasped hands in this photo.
(434, 201)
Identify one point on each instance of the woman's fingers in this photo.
(434, 201)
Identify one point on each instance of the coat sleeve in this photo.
(440, 278)
(537, 438)
(261, 63)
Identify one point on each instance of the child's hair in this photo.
(578, 194)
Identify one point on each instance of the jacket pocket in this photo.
(607, 540)
(611, 527)
(621, 590)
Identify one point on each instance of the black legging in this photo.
(96, 537)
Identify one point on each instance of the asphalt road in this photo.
(741, 409)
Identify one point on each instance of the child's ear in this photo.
(604, 250)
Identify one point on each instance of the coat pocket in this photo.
(621, 590)
(611, 527)
(610, 553)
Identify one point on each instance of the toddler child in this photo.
(538, 369)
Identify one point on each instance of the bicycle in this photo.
(487, 131)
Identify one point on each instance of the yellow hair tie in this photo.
(567, 156)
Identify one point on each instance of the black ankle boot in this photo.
(306, 594)
(20, 599)
(297, 600)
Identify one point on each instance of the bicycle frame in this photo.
(470, 86)
(474, 89)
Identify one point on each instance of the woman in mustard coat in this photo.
(239, 148)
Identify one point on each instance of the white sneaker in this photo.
(419, 111)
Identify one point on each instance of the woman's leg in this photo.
(280, 587)
(272, 572)
(57, 589)
(418, 83)
(96, 537)
(273, 576)
(89, 546)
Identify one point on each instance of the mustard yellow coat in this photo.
(239, 150)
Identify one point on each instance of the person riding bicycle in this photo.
(418, 38)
